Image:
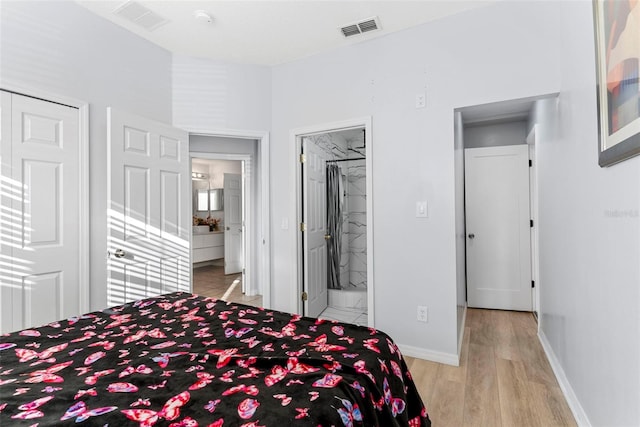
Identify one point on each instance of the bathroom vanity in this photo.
(207, 245)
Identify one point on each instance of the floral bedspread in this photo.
(186, 360)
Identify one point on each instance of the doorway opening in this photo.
(486, 137)
(334, 257)
(218, 246)
(226, 238)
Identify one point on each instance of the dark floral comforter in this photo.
(185, 360)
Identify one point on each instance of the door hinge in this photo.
(303, 158)
(530, 223)
(533, 284)
(530, 163)
(303, 226)
(305, 296)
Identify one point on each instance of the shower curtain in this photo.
(334, 225)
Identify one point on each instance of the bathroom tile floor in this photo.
(210, 281)
(349, 315)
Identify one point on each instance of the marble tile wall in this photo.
(353, 262)
(357, 214)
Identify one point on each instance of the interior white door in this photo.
(497, 226)
(314, 216)
(149, 208)
(40, 212)
(234, 224)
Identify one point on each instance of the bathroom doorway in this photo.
(334, 209)
(217, 252)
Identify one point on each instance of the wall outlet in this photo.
(421, 100)
(422, 314)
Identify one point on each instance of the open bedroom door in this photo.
(149, 208)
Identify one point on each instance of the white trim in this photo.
(572, 400)
(295, 137)
(263, 275)
(533, 141)
(84, 241)
(461, 332)
(433, 356)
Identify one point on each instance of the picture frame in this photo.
(617, 38)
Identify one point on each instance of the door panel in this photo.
(41, 208)
(498, 229)
(233, 221)
(43, 214)
(315, 219)
(149, 208)
(42, 295)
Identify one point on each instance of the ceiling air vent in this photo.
(364, 26)
(140, 15)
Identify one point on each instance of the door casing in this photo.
(262, 248)
(295, 137)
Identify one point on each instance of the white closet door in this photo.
(149, 216)
(41, 208)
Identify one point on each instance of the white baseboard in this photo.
(433, 356)
(565, 386)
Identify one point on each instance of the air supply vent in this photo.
(364, 26)
(140, 15)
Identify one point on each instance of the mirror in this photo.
(216, 199)
(209, 200)
(202, 200)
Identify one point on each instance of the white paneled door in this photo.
(314, 216)
(234, 224)
(498, 227)
(149, 208)
(40, 242)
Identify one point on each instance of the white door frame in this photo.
(83, 177)
(532, 141)
(295, 137)
(263, 245)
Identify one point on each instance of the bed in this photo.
(186, 360)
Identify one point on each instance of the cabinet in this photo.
(207, 247)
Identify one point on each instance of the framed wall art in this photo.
(617, 35)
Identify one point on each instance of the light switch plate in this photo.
(422, 210)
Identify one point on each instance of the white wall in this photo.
(216, 95)
(589, 241)
(62, 48)
(413, 149)
(460, 227)
(495, 135)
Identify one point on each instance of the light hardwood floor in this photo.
(210, 281)
(504, 378)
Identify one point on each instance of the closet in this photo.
(40, 212)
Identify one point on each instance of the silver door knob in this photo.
(119, 253)
(472, 236)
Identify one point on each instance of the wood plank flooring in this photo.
(504, 378)
(210, 281)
